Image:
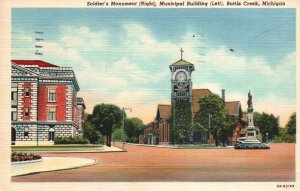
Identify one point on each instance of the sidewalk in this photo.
(58, 163)
(146, 145)
(111, 149)
(50, 164)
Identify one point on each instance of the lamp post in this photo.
(123, 116)
(209, 116)
(267, 137)
(112, 134)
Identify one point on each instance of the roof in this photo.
(198, 93)
(33, 62)
(232, 108)
(163, 111)
(45, 71)
(181, 62)
(21, 71)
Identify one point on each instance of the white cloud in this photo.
(82, 38)
(140, 41)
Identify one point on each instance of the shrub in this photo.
(15, 157)
(71, 140)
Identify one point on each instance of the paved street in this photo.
(165, 164)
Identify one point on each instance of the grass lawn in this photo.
(57, 148)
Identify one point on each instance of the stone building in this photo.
(159, 128)
(44, 103)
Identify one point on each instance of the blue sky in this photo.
(121, 56)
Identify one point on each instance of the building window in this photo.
(26, 113)
(26, 132)
(14, 116)
(51, 113)
(14, 95)
(27, 91)
(52, 95)
(51, 134)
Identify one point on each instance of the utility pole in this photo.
(123, 116)
(209, 116)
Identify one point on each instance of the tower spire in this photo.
(181, 51)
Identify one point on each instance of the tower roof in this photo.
(182, 62)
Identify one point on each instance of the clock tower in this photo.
(181, 100)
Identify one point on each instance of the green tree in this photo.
(133, 128)
(214, 105)
(291, 125)
(117, 134)
(91, 133)
(103, 118)
(267, 123)
(284, 136)
(226, 130)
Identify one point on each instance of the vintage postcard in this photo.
(149, 95)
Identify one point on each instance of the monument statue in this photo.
(249, 100)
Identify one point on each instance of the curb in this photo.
(58, 152)
(158, 146)
(175, 147)
(26, 162)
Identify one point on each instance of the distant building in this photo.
(158, 130)
(81, 109)
(44, 103)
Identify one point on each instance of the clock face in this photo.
(181, 76)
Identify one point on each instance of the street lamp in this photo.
(267, 137)
(123, 116)
(112, 134)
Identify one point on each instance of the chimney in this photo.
(223, 95)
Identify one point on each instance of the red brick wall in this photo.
(60, 102)
(27, 101)
(61, 93)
